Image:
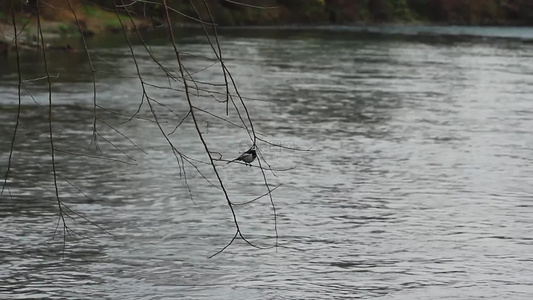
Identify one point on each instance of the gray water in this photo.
(416, 185)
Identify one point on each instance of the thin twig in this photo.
(93, 74)
(51, 136)
(19, 99)
(200, 135)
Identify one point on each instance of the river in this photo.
(406, 168)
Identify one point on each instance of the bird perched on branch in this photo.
(247, 157)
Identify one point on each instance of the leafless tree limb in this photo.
(17, 122)
(193, 90)
(51, 136)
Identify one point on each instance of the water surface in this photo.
(417, 185)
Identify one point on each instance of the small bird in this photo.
(247, 157)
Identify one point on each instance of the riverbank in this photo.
(95, 19)
(100, 16)
(63, 21)
(91, 19)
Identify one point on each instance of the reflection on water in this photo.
(417, 185)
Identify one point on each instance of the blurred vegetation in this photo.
(275, 12)
(461, 12)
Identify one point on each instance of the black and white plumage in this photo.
(247, 157)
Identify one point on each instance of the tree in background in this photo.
(268, 12)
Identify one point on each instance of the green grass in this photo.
(91, 11)
(21, 20)
(109, 18)
(18, 19)
(66, 29)
(114, 22)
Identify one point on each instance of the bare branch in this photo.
(19, 99)
(51, 136)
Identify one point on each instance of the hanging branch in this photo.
(17, 122)
(200, 135)
(250, 132)
(50, 127)
(93, 75)
(191, 86)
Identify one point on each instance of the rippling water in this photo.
(417, 185)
